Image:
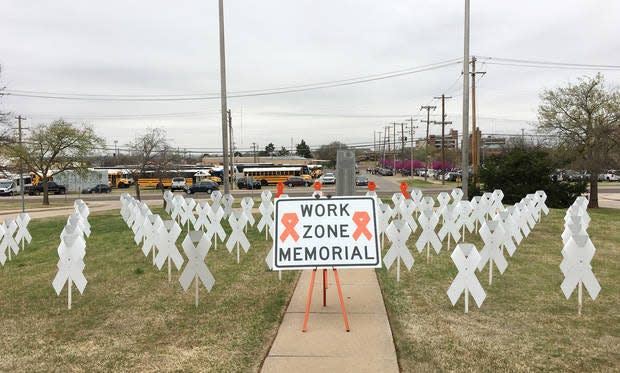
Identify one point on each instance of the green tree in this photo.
(283, 151)
(328, 152)
(586, 119)
(56, 147)
(303, 150)
(270, 149)
(521, 171)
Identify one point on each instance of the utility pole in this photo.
(254, 151)
(232, 150)
(475, 148)
(21, 166)
(402, 142)
(223, 99)
(377, 154)
(443, 135)
(428, 109)
(465, 145)
(385, 140)
(394, 153)
(411, 131)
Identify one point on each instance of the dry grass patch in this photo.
(525, 323)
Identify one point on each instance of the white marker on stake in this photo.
(167, 247)
(398, 233)
(196, 247)
(492, 234)
(70, 265)
(577, 270)
(466, 258)
(237, 221)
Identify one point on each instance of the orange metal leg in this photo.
(324, 287)
(344, 310)
(309, 301)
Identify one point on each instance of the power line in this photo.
(264, 92)
(518, 62)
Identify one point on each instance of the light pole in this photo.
(115, 148)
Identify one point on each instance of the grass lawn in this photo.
(31, 204)
(129, 317)
(421, 183)
(525, 323)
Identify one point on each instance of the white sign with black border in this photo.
(326, 232)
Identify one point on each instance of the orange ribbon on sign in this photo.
(403, 189)
(361, 220)
(290, 220)
(372, 186)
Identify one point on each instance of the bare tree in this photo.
(586, 119)
(146, 149)
(55, 147)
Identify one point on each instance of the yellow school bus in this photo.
(273, 175)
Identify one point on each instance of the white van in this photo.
(178, 183)
(8, 188)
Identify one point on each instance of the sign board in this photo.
(326, 232)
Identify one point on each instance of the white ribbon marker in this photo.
(167, 247)
(450, 225)
(428, 221)
(153, 225)
(215, 229)
(202, 221)
(228, 201)
(8, 228)
(407, 208)
(466, 258)
(237, 221)
(577, 270)
(71, 252)
(493, 235)
(266, 209)
(196, 247)
(398, 233)
(247, 203)
(3, 245)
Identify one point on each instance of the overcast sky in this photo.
(164, 48)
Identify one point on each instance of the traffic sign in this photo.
(326, 232)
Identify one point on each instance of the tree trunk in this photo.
(137, 181)
(593, 204)
(46, 198)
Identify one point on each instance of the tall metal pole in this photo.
(21, 168)
(223, 100)
(465, 145)
(428, 122)
(231, 145)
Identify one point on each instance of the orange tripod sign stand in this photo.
(338, 232)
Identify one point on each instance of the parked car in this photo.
(293, 181)
(203, 186)
(361, 181)
(178, 183)
(52, 187)
(328, 178)
(8, 188)
(610, 175)
(248, 183)
(99, 188)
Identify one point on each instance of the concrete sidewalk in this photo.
(326, 346)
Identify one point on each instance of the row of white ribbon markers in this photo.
(449, 219)
(577, 253)
(14, 235)
(72, 250)
(440, 221)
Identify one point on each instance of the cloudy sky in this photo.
(123, 66)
